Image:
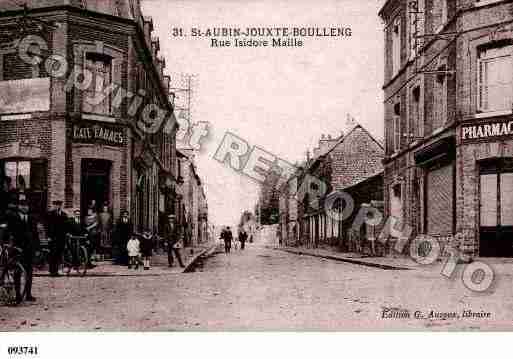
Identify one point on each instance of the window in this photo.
(415, 123)
(496, 198)
(396, 206)
(100, 67)
(440, 98)
(18, 175)
(416, 9)
(396, 46)
(495, 79)
(439, 14)
(397, 127)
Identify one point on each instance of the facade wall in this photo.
(141, 169)
(449, 103)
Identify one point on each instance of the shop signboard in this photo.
(25, 96)
(96, 133)
(484, 131)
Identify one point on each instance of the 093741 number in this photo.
(22, 350)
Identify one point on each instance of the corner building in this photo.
(56, 145)
(448, 121)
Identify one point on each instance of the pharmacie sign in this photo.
(98, 134)
(489, 130)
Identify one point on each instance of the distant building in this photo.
(192, 201)
(349, 164)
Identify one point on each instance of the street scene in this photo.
(163, 168)
(260, 288)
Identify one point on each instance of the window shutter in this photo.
(440, 201)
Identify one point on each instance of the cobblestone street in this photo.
(260, 288)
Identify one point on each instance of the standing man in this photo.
(23, 230)
(172, 235)
(57, 221)
(124, 230)
(243, 237)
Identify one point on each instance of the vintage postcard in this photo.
(255, 165)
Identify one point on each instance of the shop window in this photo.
(18, 175)
(495, 79)
(100, 67)
(496, 197)
(396, 46)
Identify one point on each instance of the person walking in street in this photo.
(243, 237)
(133, 248)
(124, 230)
(22, 228)
(227, 236)
(147, 249)
(173, 236)
(105, 230)
(57, 221)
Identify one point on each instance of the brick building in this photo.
(84, 144)
(448, 124)
(192, 201)
(351, 164)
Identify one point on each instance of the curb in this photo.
(196, 257)
(347, 260)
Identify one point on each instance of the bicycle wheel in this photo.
(67, 262)
(7, 286)
(81, 266)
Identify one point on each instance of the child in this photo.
(147, 249)
(133, 248)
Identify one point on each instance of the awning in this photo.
(444, 148)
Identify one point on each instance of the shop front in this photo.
(24, 169)
(487, 182)
(99, 155)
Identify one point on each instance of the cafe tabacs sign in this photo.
(98, 134)
(488, 130)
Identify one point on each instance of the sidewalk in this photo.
(387, 263)
(500, 266)
(159, 265)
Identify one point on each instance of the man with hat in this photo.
(172, 235)
(22, 228)
(57, 225)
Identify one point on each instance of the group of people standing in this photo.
(97, 226)
(19, 227)
(227, 237)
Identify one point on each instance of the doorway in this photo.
(95, 183)
(496, 208)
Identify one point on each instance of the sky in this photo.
(280, 99)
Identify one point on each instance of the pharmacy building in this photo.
(448, 99)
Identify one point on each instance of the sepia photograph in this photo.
(255, 166)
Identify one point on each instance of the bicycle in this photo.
(75, 256)
(10, 262)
